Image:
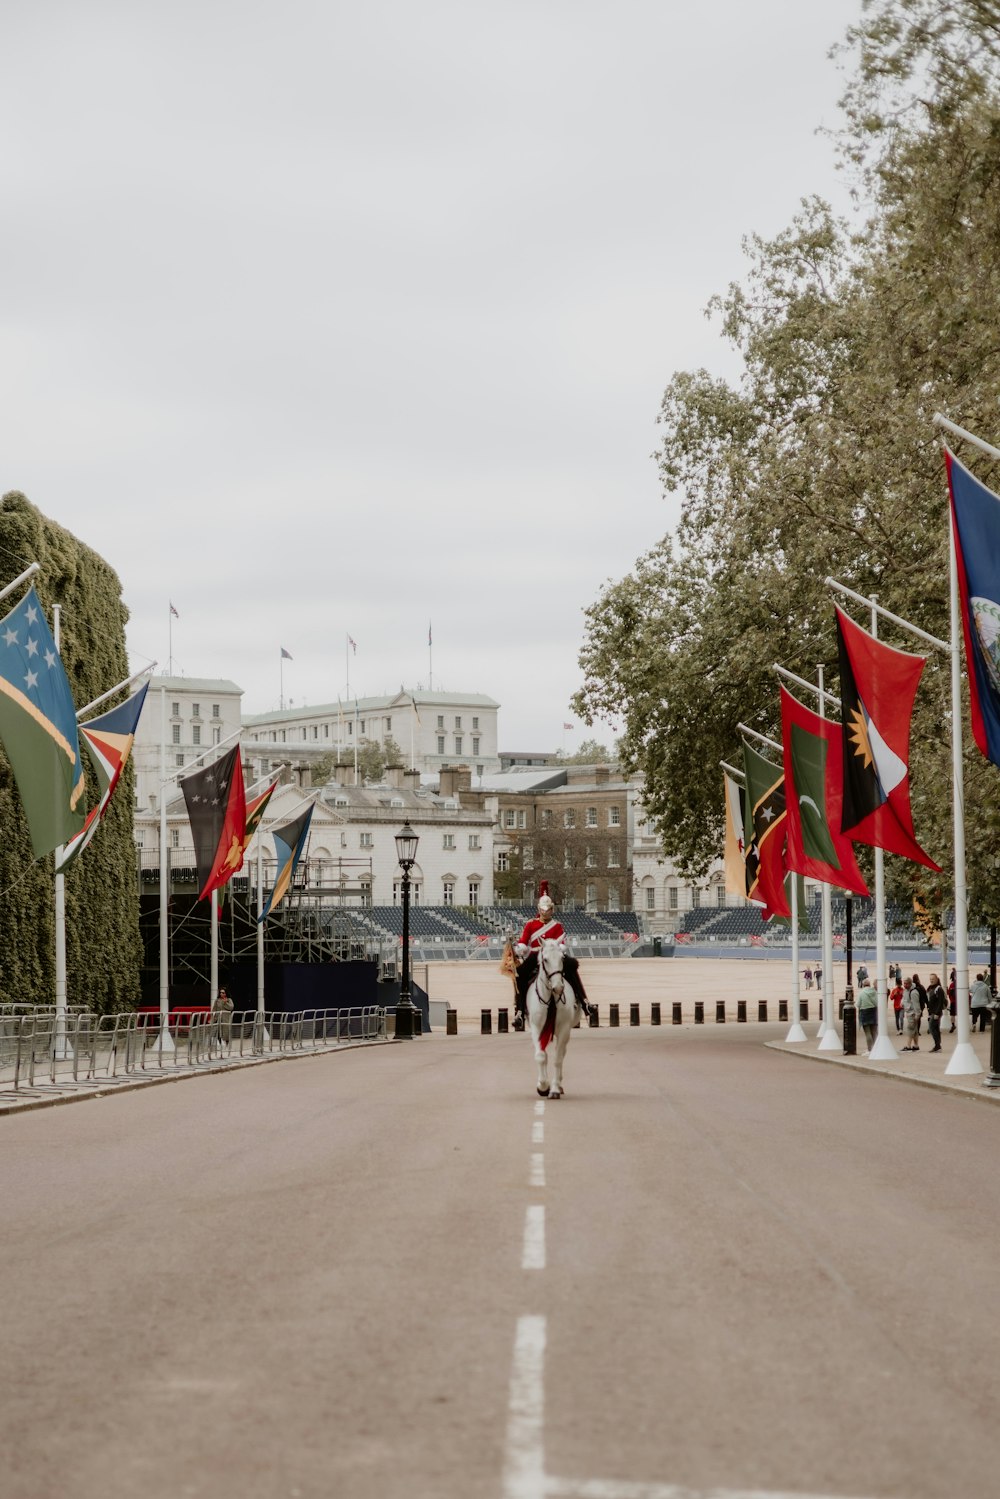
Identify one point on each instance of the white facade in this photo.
(191, 714)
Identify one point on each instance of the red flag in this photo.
(814, 792)
(217, 811)
(877, 687)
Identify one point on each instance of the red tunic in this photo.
(536, 929)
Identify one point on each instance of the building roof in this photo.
(523, 778)
(346, 710)
(196, 684)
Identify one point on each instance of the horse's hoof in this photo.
(544, 1093)
(555, 1093)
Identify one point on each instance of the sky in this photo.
(330, 321)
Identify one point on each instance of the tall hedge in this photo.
(103, 950)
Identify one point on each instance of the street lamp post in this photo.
(406, 1011)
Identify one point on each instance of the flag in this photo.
(975, 514)
(38, 727)
(216, 805)
(766, 803)
(289, 841)
(877, 688)
(255, 811)
(109, 740)
(567, 726)
(814, 788)
(285, 655)
(174, 612)
(734, 858)
(350, 642)
(430, 640)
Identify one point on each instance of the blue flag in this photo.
(289, 841)
(975, 514)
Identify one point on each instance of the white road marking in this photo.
(537, 1132)
(609, 1488)
(533, 1255)
(538, 1169)
(524, 1466)
(540, 1106)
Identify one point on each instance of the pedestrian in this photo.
(807, 974)
(222, 1013)
(896, 995)
(952, 1000)
(921, 994)
(819, 977)
(868, 1011)
(936, 1004)
(911, 1016)
(898, 975)
(862, 975)
(979, 999)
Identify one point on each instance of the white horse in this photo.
(552, 1010)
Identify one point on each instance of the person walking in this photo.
(937, 1002)
(222, 1014)
(807, 974)
(911, 1016)
(979, 1001)
(896, 996)
(868, 1011)
(952, 1000)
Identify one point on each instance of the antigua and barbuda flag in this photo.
(975, 515)
(289, 841)
(109, 740)
(217, 810)
(877, 687)
(814, 789)
(38, 727)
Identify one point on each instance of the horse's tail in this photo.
(549, 1028)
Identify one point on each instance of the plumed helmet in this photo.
(546, 905)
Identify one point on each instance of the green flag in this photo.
(809, 765)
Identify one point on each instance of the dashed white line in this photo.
(538, 1169)
(540, 1106)
(537, 1132)
(533, 1254)
(524, 1468)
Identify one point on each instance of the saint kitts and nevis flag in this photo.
(975, 514)
(109, 740)
(814, 786)
(877, 687)
(38, 727)
(289, 841)
(216, 806)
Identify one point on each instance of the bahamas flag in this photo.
(975, 514)
(289, 841)
(109, 740)
(38, 727)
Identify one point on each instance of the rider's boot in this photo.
(584, 1003)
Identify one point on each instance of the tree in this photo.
(591, 752)
(822, 459)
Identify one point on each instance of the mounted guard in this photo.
(543, 927)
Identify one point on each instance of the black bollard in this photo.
(654, 1014)
(762, 1009)
(992, 1078)
(633, 1014)
(613, 1016)
(849, 1015)
(678, 1018)
(741, 1010)
(486, 1023)
(502, 1022)
(699, 1012)
(782, 1009)
(451, 1022)
(594, 1018)
(720, 1012)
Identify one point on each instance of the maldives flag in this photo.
(877, 687)
(975, 515)
(216, 804)
(766, 814)
(814, 790)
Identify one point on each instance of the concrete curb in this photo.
(130, 1084)
(972, 1087)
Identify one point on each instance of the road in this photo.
(711, 1269)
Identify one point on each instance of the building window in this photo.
(672, 897)
(508, 818)
(175, 838)
(282, 736)
(458, 723)
(366, 840)
(591, 897)
(315, 731)
(614, 899)
(366, 893)
(695, 898)
(448, 841)
(388, 725)
(650, 898)
(479, 771)
(178, 759)
(567, 858)
(720, 895)
(175, 733)
(613, 858)
(215, 711)
(305, 732)
(591, 817)
(473, 841)
(440, 744)
(591, 859)
(475, 746)
(196, 733)
(473, 892)
(522, 820)
(547, 817)
(362, 727)
(216, 736)
(448, 893)
(503, 862)
(569, 818)
(326, 730)
(175, 710)
(196, 710)
(475, 724)
(440, 722)
(614, 817)
(458, 744)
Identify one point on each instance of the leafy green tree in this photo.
(103, 951)
(591, 752)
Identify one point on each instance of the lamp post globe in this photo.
(406, 1011)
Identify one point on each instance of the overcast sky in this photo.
(327, 319)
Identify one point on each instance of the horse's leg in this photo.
(560, 1042)
(542, 1060)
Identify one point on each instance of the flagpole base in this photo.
(163, 1041)
(795, 1033)
(830, 1041)
(964, 1062)
(883, 1051)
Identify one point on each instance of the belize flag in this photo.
(975, 514)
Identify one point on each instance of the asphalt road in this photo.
(710, 1270)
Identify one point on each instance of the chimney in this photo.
(602, 774)
(446, 781)
(394, 776)
(411, 780)
(305, 777)
(463, 778)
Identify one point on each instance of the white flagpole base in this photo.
(964, 1061)
(163, 1041)
(62, 1049)
(796, 1033)
(883, 1050)
(822, 1027)
(830, 1041)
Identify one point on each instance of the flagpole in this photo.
(29, 572)
(347, 662)
(883, 1050)
(61, 1049)
(356, 722)
(963, 1059)
(281, 684)
(260, 1032)
(829, 1039)
(165, 1040)
(213, 982)
(430, 657)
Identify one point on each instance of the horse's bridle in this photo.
(549, 976)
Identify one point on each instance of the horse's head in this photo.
(550, 965)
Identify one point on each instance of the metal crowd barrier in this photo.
(37, 1049)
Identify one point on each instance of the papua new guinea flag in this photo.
(766, 812)
(814, 788)
(289, 841)
(975, 515)
(109, 741)
(38, 727)
(217, 811)
(877, 687)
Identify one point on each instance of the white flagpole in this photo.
(430, 657)
(214, 966)
(829, 1039)
(963, 1059)
(165, 1040)
(60, 1044)
(356, 722)
(347, 661)
(883, 1050)
(281, 683)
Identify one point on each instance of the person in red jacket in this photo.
(540, 928)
